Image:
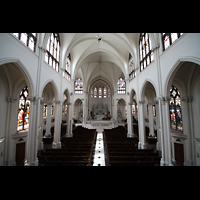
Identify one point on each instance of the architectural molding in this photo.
(58, 102)
(33, 100)
(40, 47)
(140, 102)
(11, 99)
(187, 99)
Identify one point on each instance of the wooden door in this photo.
(179, 153)
(20, 153)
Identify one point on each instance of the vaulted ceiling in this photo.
(107, 60)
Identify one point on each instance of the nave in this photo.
(51, 82)
(98, 147)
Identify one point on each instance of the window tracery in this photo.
(132, 72)
(169, 38)
(78, 86)
(175, 109)
(28, 39)
(146, 52)
(67, 71)
(52, 55)
(121, 86)
(23, 110)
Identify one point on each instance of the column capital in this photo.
(164, 99)
(69, 103)
(140, 102)
(156, 100)
(187, 99)
(50, 103)
(33, 100)
(58, 102)
(11, 99)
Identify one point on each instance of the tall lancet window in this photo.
(28, 39)
(52, 56)
(100, 92)
(95, 92)
(91, 92)
(24, 110)
(121, 86)
(175, 109)
(132, 72)
(104, 92)
(146, 53)
(67, 71)
(108, 92)
(79, 86)
(169, 38)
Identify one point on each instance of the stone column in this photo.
(151, 123)
(41, 125)
(130, 121)
(48, 121)
(187, 130)
(31, 150)
(13, 104)
(167, 135)
(114, 116)
(142, 137)
(84, 111)
(57, 129)
(69, 121)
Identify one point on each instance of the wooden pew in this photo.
(75, 151)
(123, 151)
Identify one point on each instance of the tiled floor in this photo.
(99, 154)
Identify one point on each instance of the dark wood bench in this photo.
(133, 163)
(66, 163)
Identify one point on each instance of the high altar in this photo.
(100, 111)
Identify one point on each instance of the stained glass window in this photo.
(91, 92)
(100, 92)
(132, 72)
(67, 71)
(95, 92)
(104, 92)
(133, 109)
(53, 51)
(121, 86)
(169, 38)
(145, 48)
(45, 110)
(52, 110)
(24, 110)
(175, 109)
(108, 92)
(154, 110)
(28, 39)
(78, 86)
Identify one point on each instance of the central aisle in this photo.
(99, 154)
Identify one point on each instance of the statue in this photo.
(109, 115)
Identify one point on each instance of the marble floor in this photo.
(99, 154)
